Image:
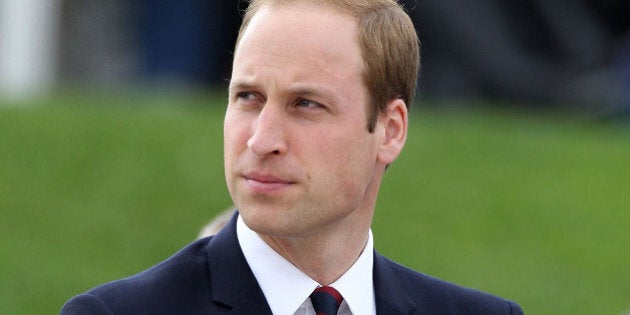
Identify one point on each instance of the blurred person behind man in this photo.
(217, 223)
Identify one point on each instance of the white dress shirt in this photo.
(287, 289)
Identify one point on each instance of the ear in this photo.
(394, 123)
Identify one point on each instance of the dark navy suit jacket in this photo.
(211, 276)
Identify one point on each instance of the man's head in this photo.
(299, 159)
(388, 44)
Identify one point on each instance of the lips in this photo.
(263, 183)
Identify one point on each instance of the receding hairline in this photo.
(257, 6)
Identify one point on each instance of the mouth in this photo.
(266, 183)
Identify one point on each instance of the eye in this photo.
(247, 96)
(246, 100)
(308, 104)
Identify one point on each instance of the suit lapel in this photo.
(391, 297)
(231, 280)
(233, 284)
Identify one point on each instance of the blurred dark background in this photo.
(572, 54)
(566, 52)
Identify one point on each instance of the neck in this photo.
(327, 255)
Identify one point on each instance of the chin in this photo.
(259, 218)
(265, 222)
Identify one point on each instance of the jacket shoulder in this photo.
(172, 286)
(436, 296)
(86, 304)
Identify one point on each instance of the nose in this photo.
(268, 137)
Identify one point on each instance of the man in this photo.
(317, 110)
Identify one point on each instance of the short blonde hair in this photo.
(388, 42)
(217, 223)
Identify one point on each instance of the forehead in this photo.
(308, 17)
(311, 36)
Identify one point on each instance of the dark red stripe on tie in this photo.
(326, 300)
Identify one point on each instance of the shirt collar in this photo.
(356, 288)
(286, 287)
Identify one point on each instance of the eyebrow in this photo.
(298, 89)
(241, 85)
(311, 91)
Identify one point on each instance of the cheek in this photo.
(235, 132)
(233, 144)
(348, 165)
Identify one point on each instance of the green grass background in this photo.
(534, 207)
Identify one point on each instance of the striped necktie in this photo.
(326, 300)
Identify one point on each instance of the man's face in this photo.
(298, 156)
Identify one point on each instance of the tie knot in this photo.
(326, 300)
